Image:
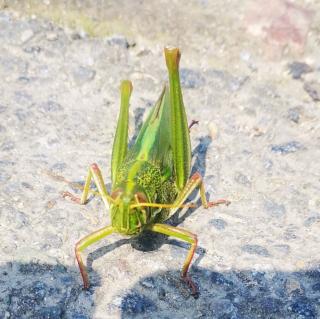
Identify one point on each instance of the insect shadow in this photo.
(42, 290)
(245, 294)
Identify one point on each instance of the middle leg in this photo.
(95, 173)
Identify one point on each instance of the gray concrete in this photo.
(250, 74)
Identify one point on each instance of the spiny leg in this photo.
(194, 182)
(95, 173)
(84, 243)
(73, 185)
(189, 238)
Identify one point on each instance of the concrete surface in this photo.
(250, 73)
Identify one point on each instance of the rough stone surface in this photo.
(256, 144)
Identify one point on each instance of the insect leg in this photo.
(95, 173)
(194, 182)
(185, 236)
(84, 243)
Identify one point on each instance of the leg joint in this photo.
(196, 176)
(195, 238)
(95, 167)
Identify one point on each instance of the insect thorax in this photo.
(150, 178)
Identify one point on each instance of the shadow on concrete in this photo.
(226, 295)
(41, 290)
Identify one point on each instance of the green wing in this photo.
(164, 138)
(153, 144)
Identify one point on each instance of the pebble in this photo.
(7, 146)
(294, 114)
(219, 279)
(39, 290)
(83, 74)
(23, 98)
(311, 220)
(267, 164)
(293, 287)
(135, 303)
(60, 166)
(313, 89)
(304, 308)
(51, 36)
(274, 209)
(22, 114)
(218, 223)
(236, 83)
(255, 250)
(297, 69)
(161, 293)
(50, 106)
(191, 79)
(118, 40)
(148, 283)
(32, 49)
(242, 179)
(314, 274)
(286, 148)
(26, 35)
(23, 79)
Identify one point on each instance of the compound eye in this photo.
(141, 197)
(117, 193)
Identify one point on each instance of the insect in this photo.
(151, 179)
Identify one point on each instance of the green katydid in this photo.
(150, 180)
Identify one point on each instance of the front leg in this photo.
(95, 173)
(84, 243)
(189, 238)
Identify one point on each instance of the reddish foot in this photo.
(219, 202)
(191, 285)
(71, 196)
(85, 279)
